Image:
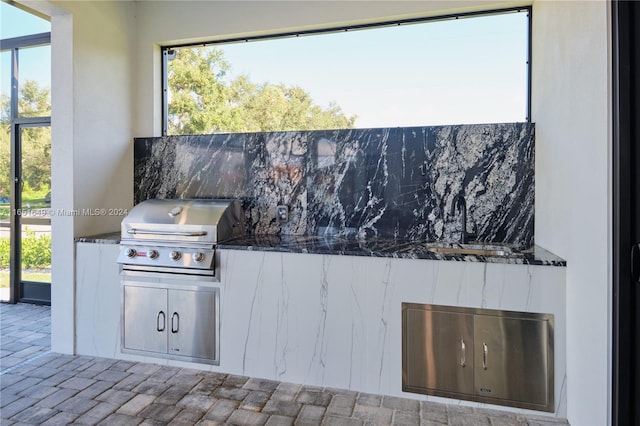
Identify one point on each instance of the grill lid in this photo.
(183, 220)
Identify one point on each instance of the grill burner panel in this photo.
(170, 257)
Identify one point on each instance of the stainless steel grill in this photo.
(177, 236)
(170, 297)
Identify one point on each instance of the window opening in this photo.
(25, 157)
(418, 72)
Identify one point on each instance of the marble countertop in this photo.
(381, 247)
(110, 238)
(372, 247)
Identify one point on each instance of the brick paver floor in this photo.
(38, 387)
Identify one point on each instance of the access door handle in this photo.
(463, 353)
(160, 323)
(635, 262)
(175, 322)
(485, 356)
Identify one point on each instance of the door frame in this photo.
(625, 406)
(21, 291)
(34, 292)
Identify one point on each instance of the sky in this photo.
(448, 72)
(462, 71)
(35, 63)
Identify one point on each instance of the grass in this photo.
(26, 276)
(31, 198)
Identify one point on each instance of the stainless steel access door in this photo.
(192, 323)
(512, 359)
(172, 316)
(438, 352)
(145, 319)
(484, 355)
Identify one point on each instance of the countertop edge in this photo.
(373, 248)
(381, 248)
(424, 255)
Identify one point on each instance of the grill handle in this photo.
(177, 233)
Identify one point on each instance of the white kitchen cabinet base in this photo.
(326, 320)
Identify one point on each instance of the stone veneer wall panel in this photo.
(389, 182)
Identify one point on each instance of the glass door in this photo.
(5, 208)
(25, 166)
(34, 212)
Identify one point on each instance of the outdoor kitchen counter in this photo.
(325, 312)
(383, 247)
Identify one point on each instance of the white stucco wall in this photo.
(571, 94)
(92, 119)
(102, 74)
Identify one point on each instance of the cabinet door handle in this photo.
(635, 262)
(485, 355)
(175, 322)
(160, 323)
(463, 353)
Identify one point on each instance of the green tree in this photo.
(5, 166)
(5, 147)
(36, 141)
(36, 159)
(34, 101)
(203, 100)
(197, 90)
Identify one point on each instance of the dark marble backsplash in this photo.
(388, 182)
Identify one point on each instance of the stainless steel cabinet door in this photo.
(437, 351)
(145, 319)
(511, 359)
(192, 323)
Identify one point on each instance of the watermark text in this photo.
(63, 212)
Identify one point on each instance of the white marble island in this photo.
(323, 319)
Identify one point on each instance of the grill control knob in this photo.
(153, 254)
(131, 253)
(198, 257)
(175, 255)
